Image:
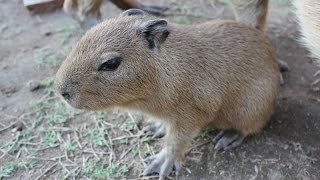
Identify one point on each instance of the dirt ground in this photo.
(41, 138)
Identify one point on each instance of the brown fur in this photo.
(220, 72)
(86, 12)
(251, 12)
(254, 13)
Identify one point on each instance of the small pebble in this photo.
(33, 85)
(48, 33)
(17, 127)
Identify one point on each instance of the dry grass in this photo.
(98, 148)
(54, 140)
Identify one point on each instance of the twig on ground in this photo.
(150, 150)
(93, 152)
(77, 138)
(18, 154)
(46, 159)
(72, 172)
(64, 167)
(61, 129)
(198, 145)
(109, 146)
(45, 148)
(13, 145)
(139, 153)
(125, 153)
(123, 137)
(46, 171)
(7, 127)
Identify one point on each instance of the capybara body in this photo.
(220, 72)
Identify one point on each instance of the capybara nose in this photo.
(66, 95)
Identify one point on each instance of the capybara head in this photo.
(115, 63)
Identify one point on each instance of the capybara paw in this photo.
(227, 139)
(163, 164)
(157, 129)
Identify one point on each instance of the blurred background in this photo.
(42, 138)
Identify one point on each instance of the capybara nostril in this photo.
(66, 95)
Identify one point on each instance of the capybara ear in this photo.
(133, 12)
(155, 32)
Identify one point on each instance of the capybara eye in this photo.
(110, 65)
